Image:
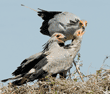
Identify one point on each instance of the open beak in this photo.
(83, 27)
(80, 32)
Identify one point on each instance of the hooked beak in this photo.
(65, 37)
(83, 27)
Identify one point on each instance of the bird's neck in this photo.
(76, 41)
(54, 44)
(75, 46)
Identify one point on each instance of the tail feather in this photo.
(22, 80)
(17, 82)
(4, 80)
(17, 71)
(13, 78)
(38, 75)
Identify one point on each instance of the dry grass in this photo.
(98, 83)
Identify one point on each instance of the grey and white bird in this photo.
(59, 22)
(57, 60)
(27, 64)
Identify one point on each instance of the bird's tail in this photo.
(29, 77)
(22, 80)
(13, 78)
(19, 82)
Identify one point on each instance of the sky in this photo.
(20, 35)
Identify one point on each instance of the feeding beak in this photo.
(83, 27)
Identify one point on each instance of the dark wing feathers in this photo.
(41, 63)
(47, 45)
(39, 73)
(46, 16)
(44, 28)
(24, 68)
(30, 62)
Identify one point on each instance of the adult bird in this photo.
(57, 60)
(27, 64)
(59, 22)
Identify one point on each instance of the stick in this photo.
(78, 71)
(29, 7)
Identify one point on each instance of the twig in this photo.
(78, 71)
(29, 7)
(104, 61)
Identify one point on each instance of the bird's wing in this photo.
(58, 22)
(37, 72)
(46, 16)
(31, 58)
(29, 63)
(65, 18)
(66, 23)
(58, 61)
(13, 78)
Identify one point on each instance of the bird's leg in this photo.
(63, 75)
(69, 74)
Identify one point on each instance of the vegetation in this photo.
(98, 83)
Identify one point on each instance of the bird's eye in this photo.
(57, 35)
(80, 23)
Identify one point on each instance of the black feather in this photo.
(4, 80)
(30, 64)
(46, 16)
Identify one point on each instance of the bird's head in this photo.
(59, 37)
(79, 33)
(56, 37)
(82, 24)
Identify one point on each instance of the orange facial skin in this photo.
(82, 23)
(80, 33)
(59, 36)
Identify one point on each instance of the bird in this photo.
(30, 62)
(59, 60)
(59, 22)
(56, 60)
